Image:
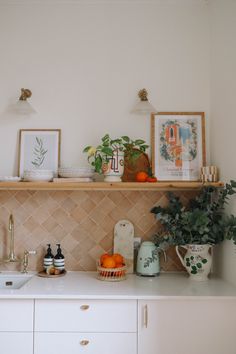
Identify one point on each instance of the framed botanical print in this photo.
(39, 149)
(178, 145)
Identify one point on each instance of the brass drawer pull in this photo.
(146, 316)
(84, 342)
(84, 307)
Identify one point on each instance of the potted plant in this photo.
(197, 226)
(108, 156)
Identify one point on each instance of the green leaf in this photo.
(126, 138)
(86, 149)
(108, 151)
(106, 137)
(139, 142)
(98, 164)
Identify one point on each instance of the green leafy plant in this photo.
(100, 155)
(39, 153)
(202, 221)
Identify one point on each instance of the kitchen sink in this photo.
(14, 280)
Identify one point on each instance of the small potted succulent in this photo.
(108, 156)
(197, 226)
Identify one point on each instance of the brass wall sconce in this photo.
(25, 93)
(22, 106)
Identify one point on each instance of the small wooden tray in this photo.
(43, 274)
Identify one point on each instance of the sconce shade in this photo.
(22, 106)
(143, 106)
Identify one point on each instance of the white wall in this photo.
(86, 61)
(223, 111)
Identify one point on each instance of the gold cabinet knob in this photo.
(84, 342)
(84, 307)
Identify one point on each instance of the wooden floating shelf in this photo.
(104, 186)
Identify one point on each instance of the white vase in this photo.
(197, 261)
(114, 169)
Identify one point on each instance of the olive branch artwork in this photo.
(39, 153)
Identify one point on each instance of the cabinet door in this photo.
(16, 315)
(187, 326)
(86, 343)
(13, 343)
(86, 315)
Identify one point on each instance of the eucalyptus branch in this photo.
(202, 221)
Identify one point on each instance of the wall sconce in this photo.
(22, 106)
(143, 106)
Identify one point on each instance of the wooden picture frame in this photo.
(178, 145)
(39, 149)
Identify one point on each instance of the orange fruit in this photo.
(109, 262)
(152, 179)
(141, 176)
(103, 256)
(118, 258)
(119, 265)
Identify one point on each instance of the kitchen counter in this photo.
(85, 285)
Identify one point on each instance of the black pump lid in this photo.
(49, 252)
(59, 255)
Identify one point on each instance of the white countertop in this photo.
(85, 285)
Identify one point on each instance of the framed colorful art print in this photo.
(178, 145)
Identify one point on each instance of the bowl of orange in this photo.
(111, 267)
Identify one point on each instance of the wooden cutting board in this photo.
(124, 242)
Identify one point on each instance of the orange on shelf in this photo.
(151, 179)
(141, 176)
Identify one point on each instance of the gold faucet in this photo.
(12, 257)
(25, 261)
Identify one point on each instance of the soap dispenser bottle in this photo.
(48, 258)
(59, 259)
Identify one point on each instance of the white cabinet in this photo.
(86, 315)
(16, 326)
(187, 326)
(89, 343)
(16, 343)
(89, 326)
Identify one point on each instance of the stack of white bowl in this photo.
(76, 174)
(38, 175)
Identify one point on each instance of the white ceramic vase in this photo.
(197, 261)
(114, 169)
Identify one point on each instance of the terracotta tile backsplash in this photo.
(82, 222)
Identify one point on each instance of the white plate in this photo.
(38, 178)
(9, 179)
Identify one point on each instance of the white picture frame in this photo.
(39, 149)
